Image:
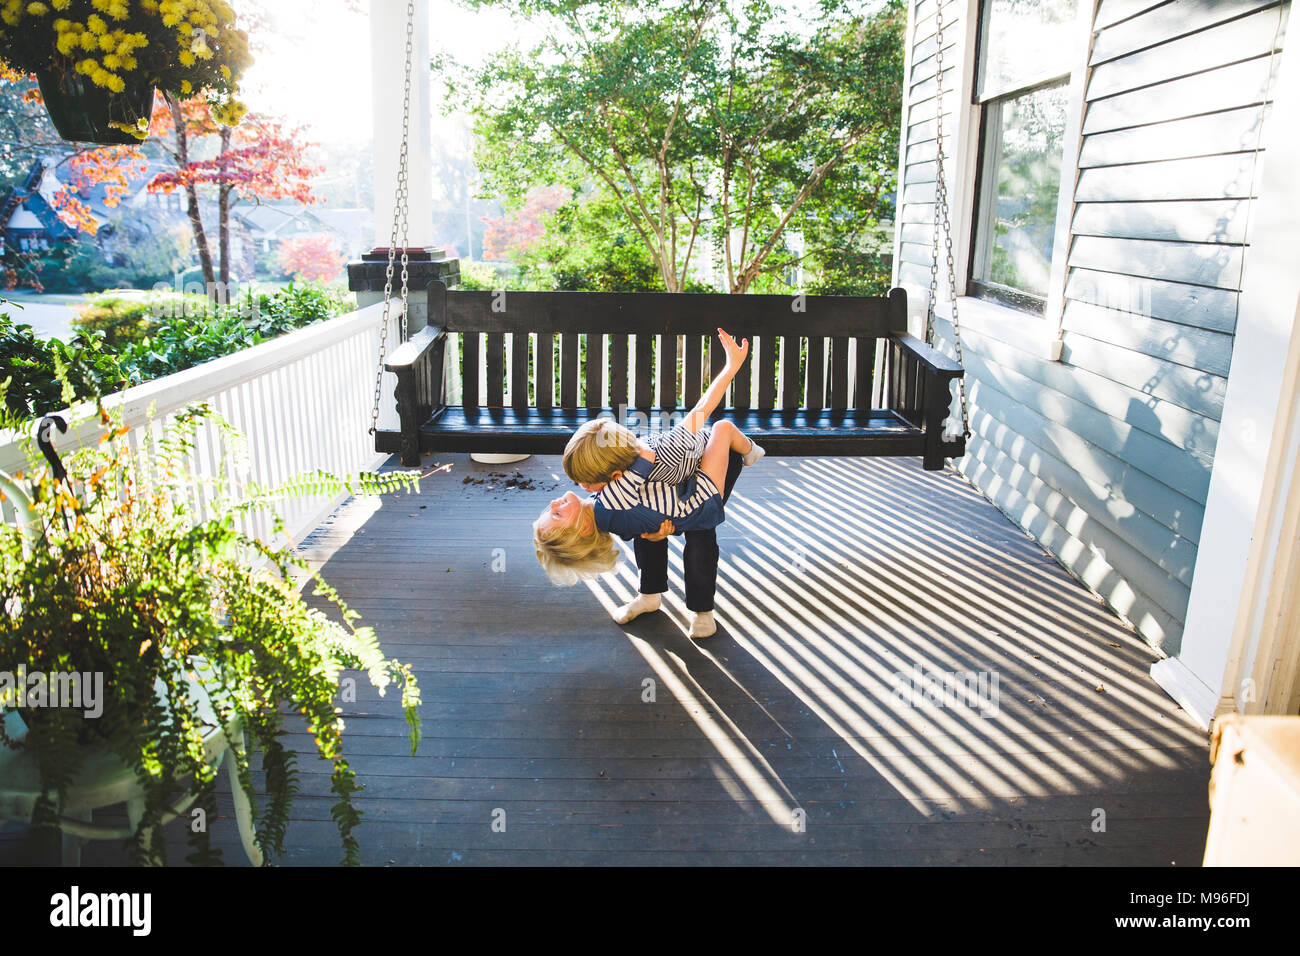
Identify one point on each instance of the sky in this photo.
(315, 65)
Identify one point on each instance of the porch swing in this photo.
(864, 387)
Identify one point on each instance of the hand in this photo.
(736, 354)
(664, 531)
(645, 451)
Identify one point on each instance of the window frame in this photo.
(1051, 306)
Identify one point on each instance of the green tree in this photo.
(708, 126)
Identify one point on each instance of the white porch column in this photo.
(1204, 675)
(388, 69)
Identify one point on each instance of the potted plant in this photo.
(99, 61)
(110, 570)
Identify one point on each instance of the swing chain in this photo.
(941, 216)
(401, 202)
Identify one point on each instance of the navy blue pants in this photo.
(699, 560)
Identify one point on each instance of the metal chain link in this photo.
(941, 216)
(401, 202)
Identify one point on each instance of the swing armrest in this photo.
(938, 372)
(930, 358)
(417, 363)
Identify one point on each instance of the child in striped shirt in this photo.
(635, 492)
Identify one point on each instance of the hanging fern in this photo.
(122, 578)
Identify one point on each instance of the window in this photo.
(1021, 90)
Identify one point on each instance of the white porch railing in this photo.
(301, 402)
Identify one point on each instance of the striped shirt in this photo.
(655, 501)
(677, 458)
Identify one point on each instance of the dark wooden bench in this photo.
(799, 393)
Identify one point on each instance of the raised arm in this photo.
(698, 416)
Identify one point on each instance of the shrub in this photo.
(31, 366)
(125, 340)
(482, 277)
(127, 318)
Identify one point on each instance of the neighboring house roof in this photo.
(25, 208)
(347, 221)
(274, 220)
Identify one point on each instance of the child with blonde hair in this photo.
(644, 490)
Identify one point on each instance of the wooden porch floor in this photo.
(836, 576)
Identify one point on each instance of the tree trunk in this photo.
(191, 193)
(223, 221)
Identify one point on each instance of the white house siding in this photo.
(1105, 456)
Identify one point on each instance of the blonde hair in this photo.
(569, 554)
(598, 449)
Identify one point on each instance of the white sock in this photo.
(642, 604)
(702, 624)
(755, 452)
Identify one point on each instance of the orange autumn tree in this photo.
(256, 159)
(518, 231)
(311, 257)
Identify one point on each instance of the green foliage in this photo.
(855, 265)
(124, 319)
(295, 306)
(588, 247)
(699, 123)
(33, 368)
(127, 340)
(482, 277)
(120, 575)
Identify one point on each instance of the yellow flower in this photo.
(116, 83)
(60, 4)
(96, 24)
(128, 63)
(89, 41)
(225, 71)
(186, 87)
(106, 43)
(139, 129)
(37, 9)
(186, 57)
(112, 61)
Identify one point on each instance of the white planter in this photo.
(485, 459)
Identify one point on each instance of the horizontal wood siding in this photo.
(1105, 456)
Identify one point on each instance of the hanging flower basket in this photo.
(98, 61)
(85, 113)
